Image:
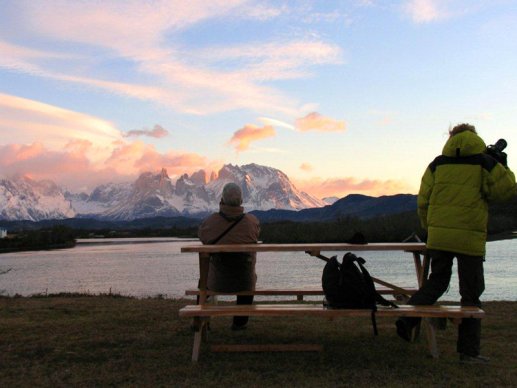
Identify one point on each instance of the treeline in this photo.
(182, 232)
(52, 238)
(394, 228)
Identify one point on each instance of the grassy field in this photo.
(116, 341)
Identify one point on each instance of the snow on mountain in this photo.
(330, 200)
(102, 198)
(151, 195)
(22, 198)
(263, 188)
(154, 195)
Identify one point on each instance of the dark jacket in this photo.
(231, 272)
(455, 190)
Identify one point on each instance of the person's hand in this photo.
(502, 158)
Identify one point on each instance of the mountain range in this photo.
(152, 195)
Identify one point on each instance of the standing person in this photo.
(453, 207)
(231, 272)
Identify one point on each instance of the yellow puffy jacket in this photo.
(455, 191)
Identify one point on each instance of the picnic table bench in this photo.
(203, 311)
(401, 293)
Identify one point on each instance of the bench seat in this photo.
(435, 311)
(202, 314)
(299, 293)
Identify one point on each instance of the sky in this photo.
(351, 96)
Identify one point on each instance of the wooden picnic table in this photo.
(203, 311)
(416, 249)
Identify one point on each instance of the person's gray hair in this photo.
(232, 195)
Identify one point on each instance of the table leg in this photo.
(204, 262)
(422, 272)
(201, 324)
(431, 337)
(418, 268)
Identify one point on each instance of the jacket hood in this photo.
(464, 144)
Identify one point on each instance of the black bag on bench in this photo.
(348, 285)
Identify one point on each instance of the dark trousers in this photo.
(242, 299)
(472, 285)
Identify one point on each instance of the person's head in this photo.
(232, 195)
(461, 128)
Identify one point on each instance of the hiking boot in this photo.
(404, 331)
(466, 359)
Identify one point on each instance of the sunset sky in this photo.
(343, 96)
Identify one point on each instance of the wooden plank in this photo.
(197, 345)
(313, 248)
(308, 291)
(204, 262)
(319, 310)
(431, 338)
(267, 348)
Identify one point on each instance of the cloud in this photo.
(30, 121)
(306, 167)
(175, 77)
(75, 149)
(276, 123)
(425, 11)
(134, 158)
(158, 131)
(316, 122)
(72, 167)
(242, 138)
(340, 187)
(278, 60)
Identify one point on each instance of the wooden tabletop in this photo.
(310, 248)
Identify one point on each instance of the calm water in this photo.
(150, 267)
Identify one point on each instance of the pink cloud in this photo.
(316, 122)
(158, 131)
(72, 167)
(425, 11)
(306, 167)
(137, 157)
(340, 187)
(242, 138)
(41, 163)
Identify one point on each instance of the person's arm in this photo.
(499, 184)
(424, 194)
(204, 233)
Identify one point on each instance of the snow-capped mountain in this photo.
(22, 198)
(154, 195)
(263, 188)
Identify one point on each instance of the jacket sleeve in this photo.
(424, 194)
(499, 184)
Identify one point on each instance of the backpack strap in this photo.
(374, 322)
(227, 229)
(378, 297)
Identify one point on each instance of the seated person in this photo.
(231, 272)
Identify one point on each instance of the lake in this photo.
(151, 267)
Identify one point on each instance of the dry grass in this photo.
(114, 341)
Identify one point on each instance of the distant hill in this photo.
(353, 205)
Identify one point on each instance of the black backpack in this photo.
(348, 285)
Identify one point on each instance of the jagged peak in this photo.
(199, 177)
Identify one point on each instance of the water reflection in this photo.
(149, 267)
